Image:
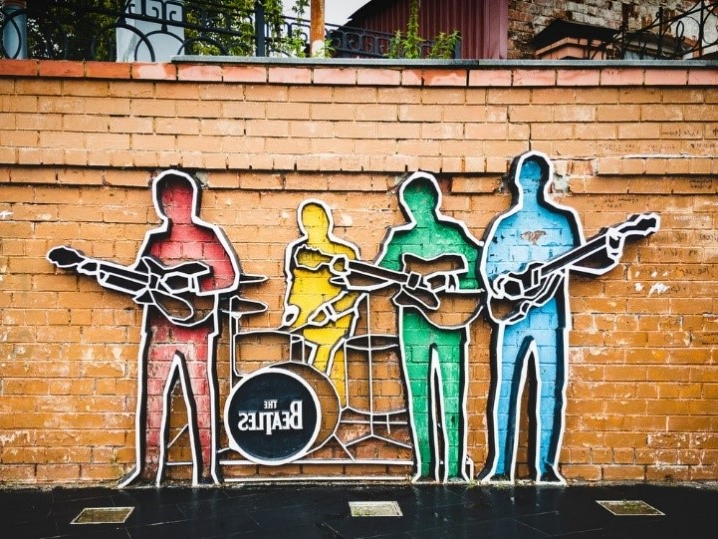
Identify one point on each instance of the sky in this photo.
(336, 11)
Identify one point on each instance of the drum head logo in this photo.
(272, 417)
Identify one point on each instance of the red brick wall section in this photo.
(80, 142)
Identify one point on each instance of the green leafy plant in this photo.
(238, 16)
(409, 45)
(211, 27)
(71, 33)
(294, 44)
(234, 15)
(327, 50)
(445, 45)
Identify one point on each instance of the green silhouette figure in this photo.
(435, 307)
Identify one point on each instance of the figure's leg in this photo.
(337, 373)
(551, 391)
(328, 356)
(325, 340)
(158, 366)
(417, 368)
(177, 374)
(511, 372)
(321, 357)
(337, 368)
(198, 349)
(203, 380)
(416, 360)
(451, 356)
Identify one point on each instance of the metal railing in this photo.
(95, 30)
(156, 30)
(683, 36)
(347, 42)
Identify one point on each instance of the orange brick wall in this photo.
(79, 143)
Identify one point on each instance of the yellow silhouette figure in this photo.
(317, 305)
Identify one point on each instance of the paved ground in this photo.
(288, 510)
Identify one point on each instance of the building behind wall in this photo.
(502, 29)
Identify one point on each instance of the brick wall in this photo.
(79, 143)
(528, 17)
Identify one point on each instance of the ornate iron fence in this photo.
(686, 35)
(152, 30)
(81, 30)
(347, 42)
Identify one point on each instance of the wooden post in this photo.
(316, 29)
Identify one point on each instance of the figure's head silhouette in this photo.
(420, 198)
(176, 197)
(533, 175)
(315, 220)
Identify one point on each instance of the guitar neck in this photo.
(639, 225)
(576, 254)
(172, 290)
(377, 272)
(316, 258)
(115, 276)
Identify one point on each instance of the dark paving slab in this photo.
(428, 511)
(498, 528)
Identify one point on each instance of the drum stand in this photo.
(377, 422)
(368, 344)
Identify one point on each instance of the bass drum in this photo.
(327, 394)
(277, 414)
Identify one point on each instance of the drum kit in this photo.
(281, 409)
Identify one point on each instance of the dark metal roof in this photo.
(560, 29)
(483, 24)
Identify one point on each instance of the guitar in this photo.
(538, 282)
(172, 290)
(434, 290)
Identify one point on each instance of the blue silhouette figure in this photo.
(528, 252)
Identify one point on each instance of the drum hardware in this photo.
(331, 413)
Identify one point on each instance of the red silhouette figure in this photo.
(179, 335)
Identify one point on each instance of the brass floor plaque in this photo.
(629, 508)
(375, 509)
(103, 515)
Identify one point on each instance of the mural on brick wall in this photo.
(183, 269)
(327, 387)
(434, 343)
(530, 249)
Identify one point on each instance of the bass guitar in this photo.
(537, 283)
(173, 290)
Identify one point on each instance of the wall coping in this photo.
(448, 64)
(382, 72)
